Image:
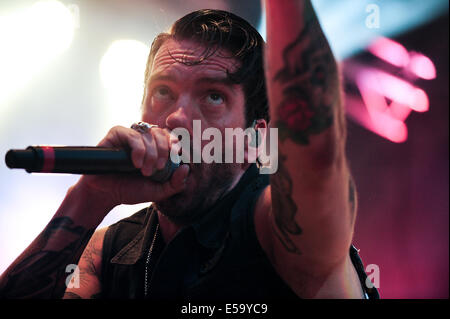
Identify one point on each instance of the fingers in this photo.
(151, 154)
(176, 184)
(153, 191)
(120, 136)
(157, 142)
(149, 151)
(162, 139)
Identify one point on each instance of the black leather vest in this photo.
(218, 258)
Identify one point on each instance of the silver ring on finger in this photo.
(142, 127)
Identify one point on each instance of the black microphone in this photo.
(80, 160)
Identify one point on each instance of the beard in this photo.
(205, 185)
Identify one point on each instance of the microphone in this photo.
(80, 160)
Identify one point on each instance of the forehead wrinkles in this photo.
(172, 52)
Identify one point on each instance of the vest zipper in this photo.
(148, 269)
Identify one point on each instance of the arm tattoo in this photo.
(310, 89)
(40, 272)
(90, 254)
(285, 208)
(309, 78)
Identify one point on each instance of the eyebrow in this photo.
(203, 80)
(161, 77)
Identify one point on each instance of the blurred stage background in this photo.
(70, 70)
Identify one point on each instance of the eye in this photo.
(215, 99)
(161, 93)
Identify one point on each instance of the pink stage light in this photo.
(379, 117)
(422, 66)
(390, 51)
(399, 111)
(388, 99)
(380, 123)
(394, 88)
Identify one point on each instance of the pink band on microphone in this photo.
(49, 159)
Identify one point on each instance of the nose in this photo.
(181, 117)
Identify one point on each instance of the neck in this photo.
(167, 227)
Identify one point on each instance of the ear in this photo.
(257, 134)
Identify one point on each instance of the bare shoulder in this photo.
(87, 284)
(341, 282)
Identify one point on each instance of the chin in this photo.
(204, 186)
(180, 204)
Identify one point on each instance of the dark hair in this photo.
(217, 29)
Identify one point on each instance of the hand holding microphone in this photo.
(81, 160)
(137, 162)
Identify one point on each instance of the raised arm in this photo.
(312, 200)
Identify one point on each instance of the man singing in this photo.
(217, 231)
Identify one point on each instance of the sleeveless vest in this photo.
(217, 258)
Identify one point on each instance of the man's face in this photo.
(176, 94)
